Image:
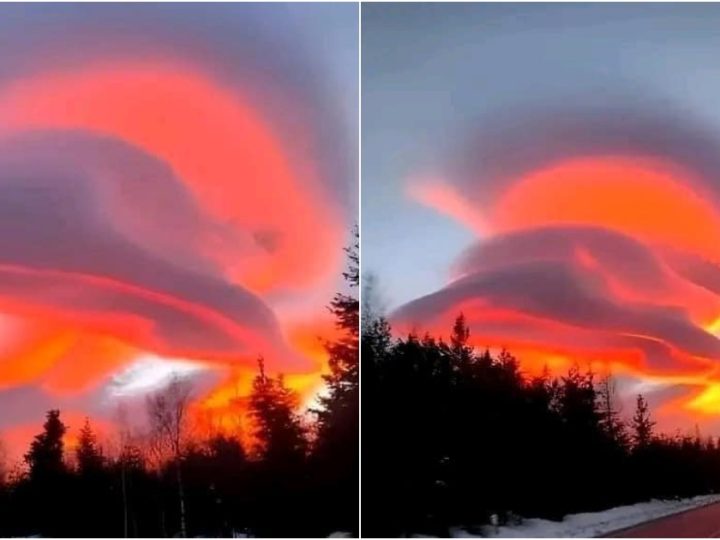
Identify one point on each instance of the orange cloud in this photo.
(618, 229)
(640, 197)
(216, 142)
(444, 198)
(269, 225)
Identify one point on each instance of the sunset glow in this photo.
(170, 212)
(605, 262)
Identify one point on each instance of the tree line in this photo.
(298, 477)
(453, 435)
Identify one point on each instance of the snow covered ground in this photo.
(590, 524)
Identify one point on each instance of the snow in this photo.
(591, 524)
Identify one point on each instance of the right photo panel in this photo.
(541, 270)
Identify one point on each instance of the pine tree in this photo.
(460, 333)
(281, 446)
(340, 406)
(578, 403)
(48, 486)
(610, 420)
(336, 453)
(45, 458)
(376, 342)
(642, 424)
(88, 453)
(509, 368)
(280, 437)
(462, 353)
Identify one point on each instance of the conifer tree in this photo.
(336, 453)
(280, 437)
(642, 424)
(281, 446)
(610, 419)
(47, 479)
(88, 453)
(46, 456)
(578, 402)
(460, 333)
(338, 415)
(462, 353)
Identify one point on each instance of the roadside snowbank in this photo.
(590, 524)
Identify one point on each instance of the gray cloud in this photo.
(508, 273)
(65, 207)
(274, 56)
(624, 257)
(510, 144)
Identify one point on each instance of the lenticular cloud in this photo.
(157, 194)
(599, 244)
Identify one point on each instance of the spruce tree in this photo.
(281, 447)
(336, 454)
(48, 480)
(338, 415)
(578, 403)
(642, 424)
(460, 333)
(88, 453)
(610, 419)
(46, 456)
(280, 436)
(462, 352)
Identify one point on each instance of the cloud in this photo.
(598, 230)
(510, 144)
(560, 292)
(66, 254)
(172, 182)
(220, 137)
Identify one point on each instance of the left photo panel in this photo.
(179, 270)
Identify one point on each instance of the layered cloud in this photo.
(598, 243)
(163, 197)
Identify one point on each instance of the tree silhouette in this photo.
(453, 436)
(88, 453)
(642, 424)
(272, 470)
(280, 437)
(45, 458)
(47, 484)
(336, 455)
(610, 418)
(167, 412)
(281, 448)
(338, 414)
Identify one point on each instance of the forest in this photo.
(453, 435)
(296, 475)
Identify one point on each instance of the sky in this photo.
(552, 171)
(165, 172)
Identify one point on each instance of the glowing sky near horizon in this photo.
(550, 177)
(165, 170)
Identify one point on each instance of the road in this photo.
(701, 522)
